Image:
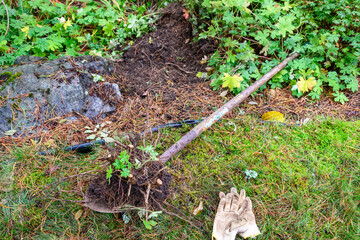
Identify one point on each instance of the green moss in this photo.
(7, 77)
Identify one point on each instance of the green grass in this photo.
(308, 185)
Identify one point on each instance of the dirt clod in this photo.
(116, 195)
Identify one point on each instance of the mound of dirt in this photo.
(167, 57)
(146, 186)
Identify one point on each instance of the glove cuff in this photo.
(251, 232)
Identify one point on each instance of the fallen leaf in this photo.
(10, 132)
(91, 137)
(186, 14)
(63, 120)
(257, 153)
(199, 208)
(33, 142)
(223, 94)
(273, 116)
(78, 214)
(203, 60)
(305, 121)
(209, 69)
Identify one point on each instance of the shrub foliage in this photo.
(255, 35)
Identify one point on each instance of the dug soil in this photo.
(157, 79)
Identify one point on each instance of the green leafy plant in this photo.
(151, 151)
(340, 97)
(121, 164)
(99, 132)
(255, 35)
(109, 172)
(52, 29)
(97, 78)
(148, 222)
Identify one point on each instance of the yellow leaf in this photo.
(306, 85)
(67, 24)
(78, 214)
(203, 60)
(231, 81)
(63, 121)
(26, 31)
(273, 116)
(33, 142)
(199, 208)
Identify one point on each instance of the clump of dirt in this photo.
(149, 184)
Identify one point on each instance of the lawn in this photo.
(307, 185)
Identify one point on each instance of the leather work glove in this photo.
(234, 215)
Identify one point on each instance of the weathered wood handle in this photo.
(201, 127)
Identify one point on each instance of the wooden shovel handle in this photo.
(201, 127)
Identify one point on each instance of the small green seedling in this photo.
(149, 223)
(97, 78)
(150, 150)
(121, 164)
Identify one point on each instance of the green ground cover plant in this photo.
(306, 186)
(255, 35)
(52, 29)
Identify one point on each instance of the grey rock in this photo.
(51, 89)
(27, 83)
(5, 118)
(115, 88)
(25, 69)
(28, 59)
(67, 66)
(47, 69)
(95, 106)
(67, 98)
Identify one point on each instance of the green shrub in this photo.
(255, 35)
(52, 29)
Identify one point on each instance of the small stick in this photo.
(147, 201)
(209, 121)
(172, 64)
(121, 144)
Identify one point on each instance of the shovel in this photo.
(201, 127)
